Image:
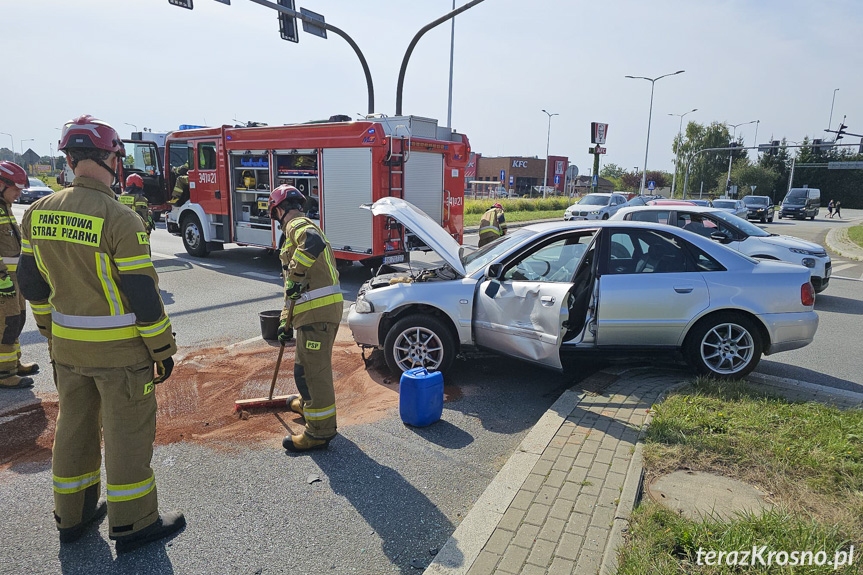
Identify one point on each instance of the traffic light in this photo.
(816, 145)
(288, 24)
(841, 131)
(774, 147)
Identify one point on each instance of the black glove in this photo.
(7, 288)
(293, 289)
(163, 370)
(285, 333)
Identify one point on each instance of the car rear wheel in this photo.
(419, 341)
(724, 346)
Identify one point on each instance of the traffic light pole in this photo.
(336, 31)
(412, 45)
(595, 179)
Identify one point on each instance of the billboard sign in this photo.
(598, 132)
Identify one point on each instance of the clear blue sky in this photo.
(151, 64)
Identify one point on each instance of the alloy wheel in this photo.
(727, 348)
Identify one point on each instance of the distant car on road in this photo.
(801, 203)
(37, 190)
(733, 207)
(740, 235)
(583, 287)
(639, 201)
(760, 208)
(665, 202)
(703, 203)
(599, 206)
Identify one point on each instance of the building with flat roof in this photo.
(517, 175)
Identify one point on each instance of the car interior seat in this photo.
(661, 257)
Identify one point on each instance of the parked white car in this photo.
(599, 206)
(583, 286)
(739, 234)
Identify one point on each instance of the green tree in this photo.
(706, 167)
(747, 175)
(611, 171)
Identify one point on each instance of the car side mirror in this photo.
(720, 237)
(494, 271)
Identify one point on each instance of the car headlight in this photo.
(594, 212)
(363, 306)
(807, 252)
(808, 262)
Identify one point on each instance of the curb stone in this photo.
(838, 241)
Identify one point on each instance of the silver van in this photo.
(801, 203)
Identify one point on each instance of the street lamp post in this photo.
(677, 156)
(731, 153)
(547, 141)
(649, 117)
(830, 123)
(133, 125)
(11, 139)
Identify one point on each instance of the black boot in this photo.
(72, 534)
(166, 525)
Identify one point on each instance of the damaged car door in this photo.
(522, 303)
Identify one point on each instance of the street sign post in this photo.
(845, 165)
(502, 175)
(181, 3)
(511, 180)
(595, 181)
(228, 2)
(556, 179)
(651, 185)
(288, 24)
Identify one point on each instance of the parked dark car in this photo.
(760, 208)
(37, 190)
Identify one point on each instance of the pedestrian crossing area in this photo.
(846, 269)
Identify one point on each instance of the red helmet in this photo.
(497, 205)
(12, 174)
(135, 180)
(286, 193)
(88, 132)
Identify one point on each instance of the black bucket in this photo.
(270, 324)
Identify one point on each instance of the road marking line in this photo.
(261, 276)
(844, 266)
(206, 265)
(196, 263)
(844, 278)
(166, 256)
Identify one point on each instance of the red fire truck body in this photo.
(337, 165)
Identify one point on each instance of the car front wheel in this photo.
(419, 341)
(724, 346)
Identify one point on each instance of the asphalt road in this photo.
(389, 495)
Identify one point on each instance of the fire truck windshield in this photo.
(140, 157)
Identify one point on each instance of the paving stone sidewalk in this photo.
(556, 515)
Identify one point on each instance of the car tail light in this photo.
(807, 294)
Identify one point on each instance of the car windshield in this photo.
(723, 204)
(741, 224)
(755, 201)
(36, 182)
(487, 254)
(141, 157)
(591, 200)
(795, 200)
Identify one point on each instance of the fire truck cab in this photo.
(338, 166)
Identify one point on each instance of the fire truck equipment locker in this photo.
(347, 183)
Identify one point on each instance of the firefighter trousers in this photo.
(313, 373)
(13, 315)
(119, 402)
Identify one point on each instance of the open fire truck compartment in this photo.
(337, 165)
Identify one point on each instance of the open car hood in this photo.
(423, 226)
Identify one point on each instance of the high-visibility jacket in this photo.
(139, 204)
(85, 264)
(492, 225)
(308, 259)
(10, 241)
(180, 194)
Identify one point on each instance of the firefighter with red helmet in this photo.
(13, 373)
(85, 267)
(313, 307)
(492, 225)
(133, 196)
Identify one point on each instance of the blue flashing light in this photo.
(190, 127)
(371, 130)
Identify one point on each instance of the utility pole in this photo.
(547, 141)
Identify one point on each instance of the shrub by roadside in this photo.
(807, 456)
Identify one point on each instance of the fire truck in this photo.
(337, 165)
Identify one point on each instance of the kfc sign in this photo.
(519, 163)
(598, 132)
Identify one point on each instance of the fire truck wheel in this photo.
(193, 236)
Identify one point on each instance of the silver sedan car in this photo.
(584, 286)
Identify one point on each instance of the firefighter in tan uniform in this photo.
(180, 195)
(313, 307)
(85, 268)
(13, 179)
(492, 225)
(133, 196)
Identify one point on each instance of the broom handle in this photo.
(281, 352)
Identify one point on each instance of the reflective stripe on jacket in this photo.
(308, 259)
(492, 224)
(87, 247)
(10, 240)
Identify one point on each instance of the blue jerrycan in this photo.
(420, 396)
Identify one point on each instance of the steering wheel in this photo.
(619, 251)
